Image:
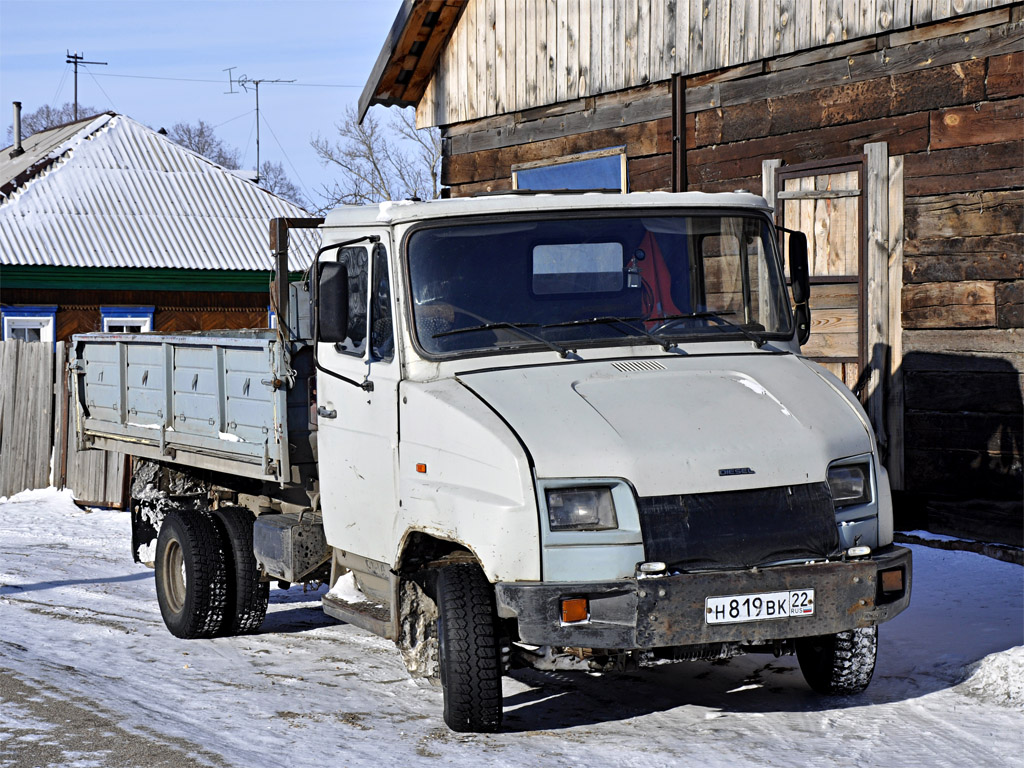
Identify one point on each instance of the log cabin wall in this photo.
(947, 101)
(173, 311)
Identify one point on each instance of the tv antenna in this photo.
(244, 82)
(76, 59)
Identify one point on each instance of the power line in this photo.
(201, 80)
(290, 163)
(89, 72)
(60, 85)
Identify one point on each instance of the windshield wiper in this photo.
(609, 320)
(758, 340)
(519, 328)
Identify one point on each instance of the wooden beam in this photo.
(894, 375)
(876, 201)
(679, 134)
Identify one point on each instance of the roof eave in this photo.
(410, 53)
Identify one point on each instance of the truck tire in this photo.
(469, 658)
(248, 596)
(191, 574)
(841, 664)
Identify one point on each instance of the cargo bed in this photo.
(216, 400)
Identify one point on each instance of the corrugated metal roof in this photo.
(114, 193)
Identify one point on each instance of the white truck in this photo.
(517, 430)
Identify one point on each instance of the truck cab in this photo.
(576, 430)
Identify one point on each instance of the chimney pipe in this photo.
(17, 131)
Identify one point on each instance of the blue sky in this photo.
(333, 42)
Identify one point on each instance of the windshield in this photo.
(570, 283)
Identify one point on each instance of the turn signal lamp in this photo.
(858, 551)
(892, 581)
(575, 609)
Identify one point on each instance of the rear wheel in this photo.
(191, 574)
(468, 651)
(841, 664)
(247, 595)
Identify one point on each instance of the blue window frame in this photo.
(127, 319)
(603, 169)
(29, 323)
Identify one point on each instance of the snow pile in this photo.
(346, 589)
(59, 501)
(385, 213)
(998, 678)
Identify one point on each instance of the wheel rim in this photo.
(174, 579)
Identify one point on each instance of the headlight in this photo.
(581, 509)
(850, 484)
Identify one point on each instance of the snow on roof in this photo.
(110, 192)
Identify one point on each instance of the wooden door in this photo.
(824, 200)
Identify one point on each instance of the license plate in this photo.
(733, 609)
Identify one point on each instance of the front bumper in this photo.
(665, 611)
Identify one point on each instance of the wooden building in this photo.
(107, 225)
(890, 131)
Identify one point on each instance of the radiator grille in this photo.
(740, 529)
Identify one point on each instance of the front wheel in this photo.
(191, 574)
(841, 664)
(468, 651)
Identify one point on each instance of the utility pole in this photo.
(76, 59)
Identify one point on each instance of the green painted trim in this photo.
(155, 279)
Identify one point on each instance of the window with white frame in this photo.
(127, 319)
(29, 323)
(602, 169)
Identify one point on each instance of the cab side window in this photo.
(356, 260)
(382, 345)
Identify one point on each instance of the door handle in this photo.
(326, 414)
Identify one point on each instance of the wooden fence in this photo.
(37, 444)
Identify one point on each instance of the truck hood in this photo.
(672, 425)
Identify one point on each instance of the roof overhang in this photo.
(407, 60)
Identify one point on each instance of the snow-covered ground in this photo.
(90, 677)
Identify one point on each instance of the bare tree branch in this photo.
(380, 160)
(201, 139)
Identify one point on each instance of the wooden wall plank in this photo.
(572, 54)
(970, 304)
(1004, 80)
(584, 51)
(560, 68)
(647, 138)
(966, 169)
(955, 259)
(641, 73)
(985, 123)
(502, 87)
(965, 215)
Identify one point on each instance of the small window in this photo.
(604, 169)
(357, 262)
(29, 323)
(127, 319)
(382, 345)
(577, 268)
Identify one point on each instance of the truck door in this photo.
(357, 414)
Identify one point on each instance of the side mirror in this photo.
(798, 267)
(332, 303)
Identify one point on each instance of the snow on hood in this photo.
(675, 426)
